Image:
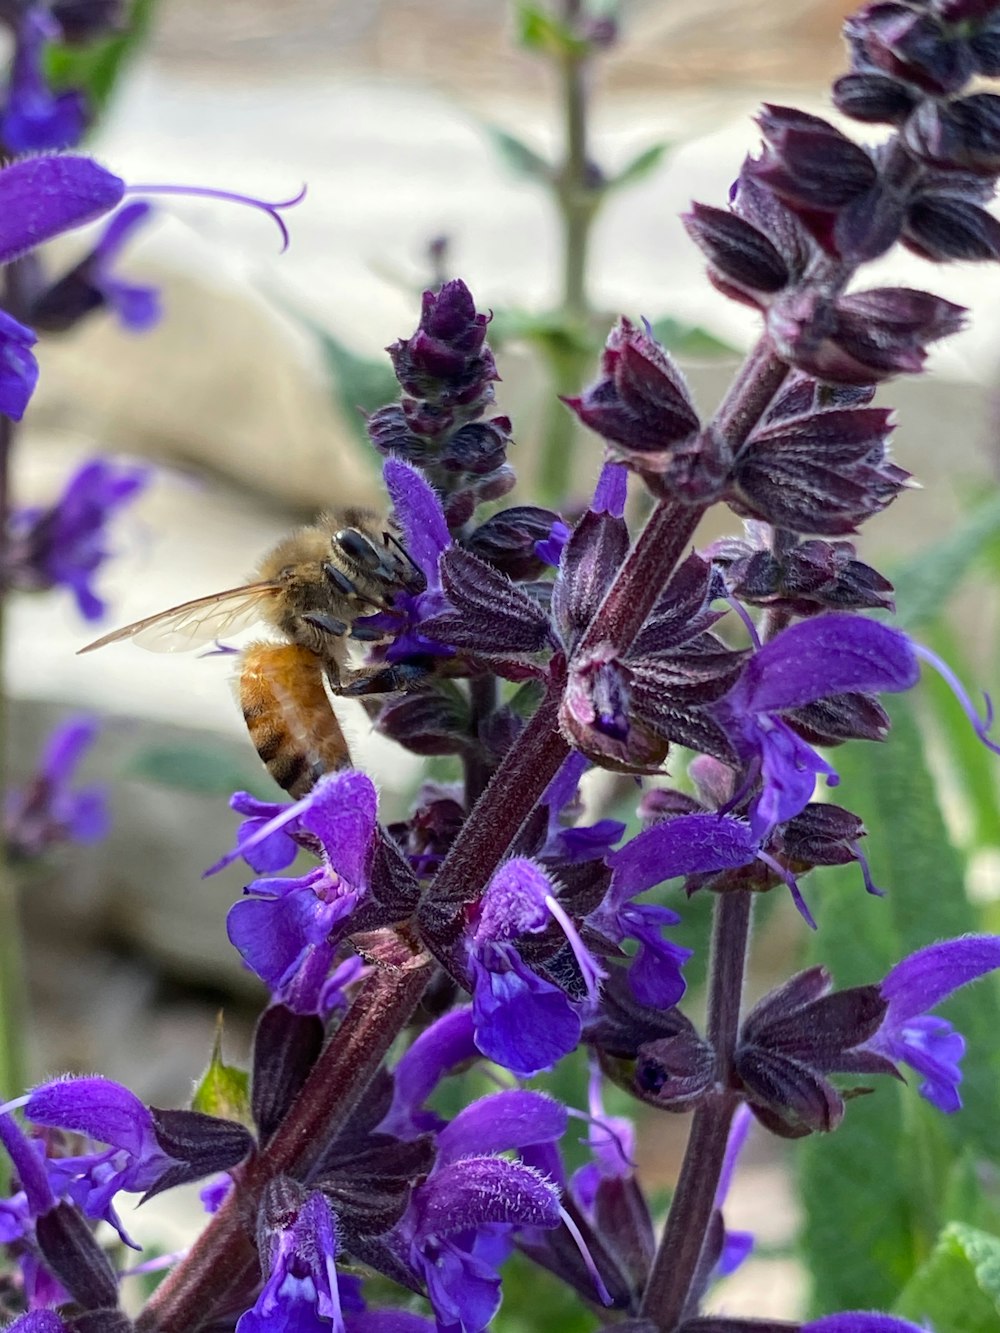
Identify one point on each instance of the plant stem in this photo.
(576, 196)
(677, 1264)
(218, 1264)
(13, 995)
(513, 791)
(476, 764)
(568, 350)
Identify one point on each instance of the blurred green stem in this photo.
(568, 351)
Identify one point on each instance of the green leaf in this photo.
(972, 1193)
(689, 339)
(197, 768)
(973, 767)
(96, 67)
(516, 156)
(357, 382)
(538, 30)
(862, 1255)
(926, 582)
(957, 1290)
(223, 1090)
(641, 166)
(549, 330)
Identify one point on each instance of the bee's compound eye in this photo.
(357, 547)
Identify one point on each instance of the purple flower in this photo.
(858, 1321)
(736, 1245)
(686, 845)
(299, 1246)
(418, 514)
(813, 659)
(93, 285)
(36, 118)
(288, 930)
(274, 849)
(522, 1020)
(641, 404)
(910, 1035)
(66, 544)
(46, 811)
(457, 1228)
(110, 1114)
(611, 1142)
(41, 197)
(447, 1043)
(18, 367)
(37, 1321)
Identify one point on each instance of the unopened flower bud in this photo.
(640, 404)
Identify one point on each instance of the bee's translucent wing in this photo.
(195, 623)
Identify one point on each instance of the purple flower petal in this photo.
(831, 654)
(930, 1045)
(480, 1191)
(504, 1120)
(789, 768)
(41, 197)
(37, 1321)
(611, 491)
(928, 976)
(857, 1321)
(18, 367)
(36, 118)
(97, 1107)
(420, 516)
(655, 977)
(273, 935)
(687, 845)
(445, 1044)
(342, 815)
(522, 1022)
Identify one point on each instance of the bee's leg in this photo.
(289, 716)
(384, 679)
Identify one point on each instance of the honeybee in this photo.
(312, 588)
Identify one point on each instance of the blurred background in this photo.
(245, 395)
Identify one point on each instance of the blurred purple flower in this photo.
(46, 811)
(66, 544)
(35, 117)
(92, 284)
(18, 367)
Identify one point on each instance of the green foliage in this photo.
(540, 31)
(223, 1090)
(689, 340)
(533, 1300)
(957, 1289)
(359, 384)
(927, 581)
(199, 769)
(863, 1247)
(641, 166)
(515, 154)
(97, 67)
